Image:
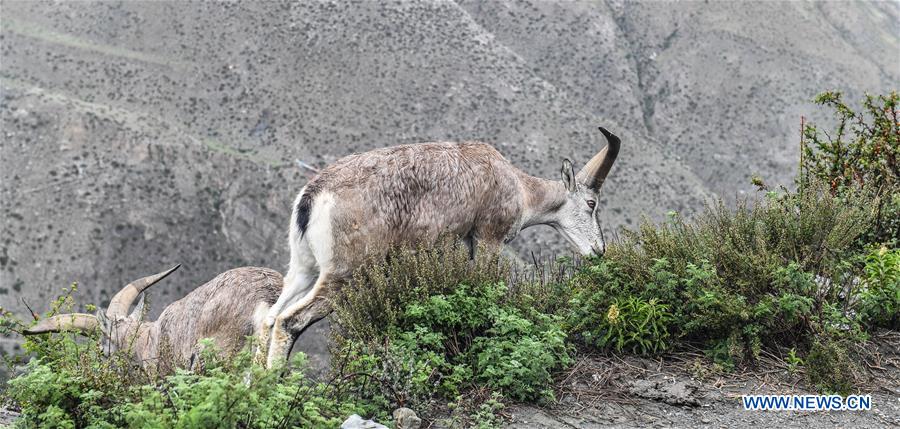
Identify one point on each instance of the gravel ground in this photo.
(604, 392)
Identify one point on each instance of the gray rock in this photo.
(357, 422)
(7, 417)
(405, 418)
(678, 393)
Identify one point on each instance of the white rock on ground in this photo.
(357, 422)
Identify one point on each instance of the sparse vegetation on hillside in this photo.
(806, 275)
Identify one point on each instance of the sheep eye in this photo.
(591, 204)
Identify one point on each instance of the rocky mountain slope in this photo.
(136, 135)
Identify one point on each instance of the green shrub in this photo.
(830, 368)
(466, 339)
(862, 151)
(75, 387)
(232, 393)
(236, 393)
(70, 382)
(518, 354)
(746, 245)
(479, 410)
(376, 297)
(440, 339)
(776, 273)
(726, 353)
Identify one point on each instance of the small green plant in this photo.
(630, 324)
(793, 361)
(476, 411)
(487, 416)
(725, 353)
(879, 301)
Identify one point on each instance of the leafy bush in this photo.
(519, 352)
(69, 382)
(440, 339)
(74, 386)
(830, 368)
(236, 393)
(788, 272)
(734, 280)
(232, 393)
(376, 297)
(862, 151)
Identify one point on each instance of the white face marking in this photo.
(577, 218)
(577, 221)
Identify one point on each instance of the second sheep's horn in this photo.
(118, 306)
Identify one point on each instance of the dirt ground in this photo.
(684, 391)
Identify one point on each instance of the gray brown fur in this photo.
(364, 204)
(227, 309)
(221, 309)
(399, 195)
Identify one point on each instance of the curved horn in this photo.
(593, 174)
(80, 322)
(118, 306)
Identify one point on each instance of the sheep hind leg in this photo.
(300, 278)
(319, 309)
(294, 319)
(292, 293)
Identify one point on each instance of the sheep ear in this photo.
(568, 175)
(138, 312)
